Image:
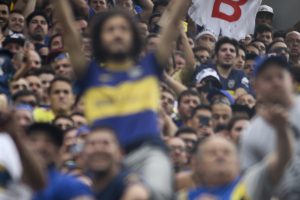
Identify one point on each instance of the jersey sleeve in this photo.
(151, 65)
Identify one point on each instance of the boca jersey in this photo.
(126, 101)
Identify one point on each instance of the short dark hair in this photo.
(184, 130)
(235, 120)
(23, 93)
(201, 48)
(50, 130)
(279, 33)
(99, 52)
(37, 13)
(226, 40)
(200, 107)
(186, 93)
(262, 28)
(45, 70)
(59, 79)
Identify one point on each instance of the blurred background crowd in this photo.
(228, 117)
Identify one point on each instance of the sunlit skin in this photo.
(216, 162)
(187, 104)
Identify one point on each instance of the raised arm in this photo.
(27, 6)
(147, 6)
(169, 23)
(277, 116)
(72, 38)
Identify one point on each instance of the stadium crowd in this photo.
(131, 100)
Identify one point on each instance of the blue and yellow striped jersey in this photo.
(126, 101)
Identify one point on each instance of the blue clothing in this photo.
(233, 191)
(127, 101)
(115, 189)
(62, 187)
(236, 79)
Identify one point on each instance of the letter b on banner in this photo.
(237, 11)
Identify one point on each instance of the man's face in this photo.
(237, 129)
(249, 67)
(226, 55)
(207, 40)
(56, 43)
(264, 18)
(217, 161)
(46, 80)
(117, 37)
(38, 28)
(261, 47)
(221, 115)
(190, 139)
(266, 37)
(273, 78)
(202, 123)
(24, 118)
(167, 102)
(14, 48)
(35, 85)
(43, 146)
(18, 85)
(27, 100)
(251, 49)
(202, 56)
(33, 60)
(143, 27)
(126, 4)
(177, 151)
(102, 151)
(16, 22)
(280, 49)
(187, 104)
(79, 120)
(293, 42)
(4, 15)
(98, 5)
(64, 123)
(246, 100)
(152, 43)
(61, 97)
(240, 60)
(63, 67)
(179, 62)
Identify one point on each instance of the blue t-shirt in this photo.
(236, 79)
(126, 101)
(115, 189)
(62, 187)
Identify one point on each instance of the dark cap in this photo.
(262, 62)
(17, 38)
(50, 130)
(37, 13)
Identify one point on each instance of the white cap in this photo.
(265, 8)
(206, 32)
(205, 73)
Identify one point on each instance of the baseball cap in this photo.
(17, 38)
(213, 92)
(262, 62)
(266, 8)
(207, 73)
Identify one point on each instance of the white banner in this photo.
(232, 18)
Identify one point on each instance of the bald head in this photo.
(292, 40)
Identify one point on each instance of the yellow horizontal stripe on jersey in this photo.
(125, 99)
(240, 192)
